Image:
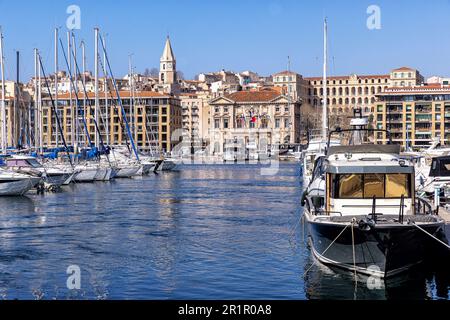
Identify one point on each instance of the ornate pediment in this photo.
(280, 99)
(221, 100)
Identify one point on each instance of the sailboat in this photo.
(11, 183)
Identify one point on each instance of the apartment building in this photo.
(154, 118)
(415, 115)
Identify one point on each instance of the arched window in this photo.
(372, 90)
(353, 100)
(340, 91)
(366, 101)
(334, 101)
(334, 91)
(340, 101)
(360, 90)
(347, 101)
(366, 90)
(359, 100)
(379, 89)
(353, 91)
(347, 91)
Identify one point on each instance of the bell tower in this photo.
(168, 67)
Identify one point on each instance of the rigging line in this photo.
(77, 69)
(114, 104)
(340, 234)
(54, 110)
(77, 100)
(120, 101)
(432, 236)
(354, 252)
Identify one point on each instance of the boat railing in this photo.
(423, 207)
(327, 213)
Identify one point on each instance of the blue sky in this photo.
(240, 35)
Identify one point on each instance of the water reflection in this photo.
(423, 282)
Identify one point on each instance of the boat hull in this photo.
(18, 187)
(128, 172)
(86, 175)
(384, 250)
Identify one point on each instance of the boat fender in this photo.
(303, 201)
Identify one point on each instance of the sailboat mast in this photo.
(36, 93)
(83, 53)
(2, 65)
(132, 107)
(105, 88)
(69, 55)
(56, 80)
(97, 138)
(74, 44)
(41, 138)
(18, 111)
(325, 93)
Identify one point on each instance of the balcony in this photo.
(393, 110)
(424, 110)
(424, 120)
(396, 120)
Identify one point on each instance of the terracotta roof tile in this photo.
(254, 96)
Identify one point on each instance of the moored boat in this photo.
(363, 214)
(16, 184)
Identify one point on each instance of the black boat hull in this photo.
(384, 250)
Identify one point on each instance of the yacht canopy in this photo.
(365, 148)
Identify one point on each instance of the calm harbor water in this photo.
(203, 232)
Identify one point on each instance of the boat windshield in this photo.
(34, 163)
(440, 167)
(367, 186)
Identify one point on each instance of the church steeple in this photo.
(168, 69)
(168, 52)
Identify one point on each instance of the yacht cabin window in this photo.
(367, 186)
